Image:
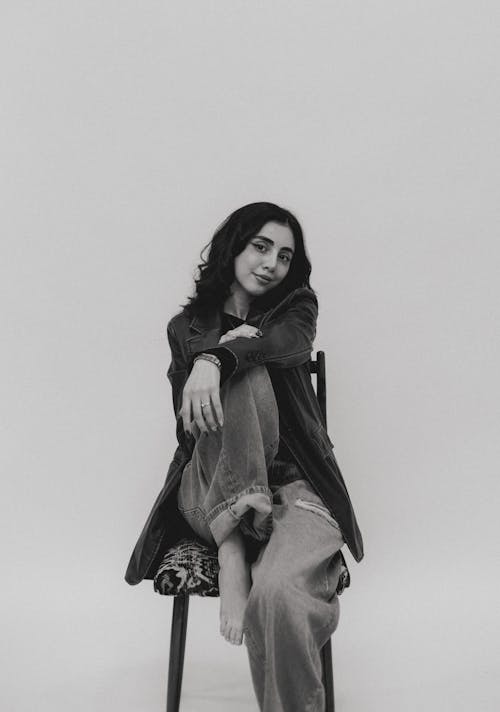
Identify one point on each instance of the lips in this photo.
(262, 279)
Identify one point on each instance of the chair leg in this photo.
(326, 663)
(177, 648)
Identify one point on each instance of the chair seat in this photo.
(191, 567)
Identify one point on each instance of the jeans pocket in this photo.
(193, 516)
(197, 520)
(318, 509)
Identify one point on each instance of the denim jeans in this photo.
(227, 475)
(293, 607)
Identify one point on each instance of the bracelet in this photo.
(209, 357)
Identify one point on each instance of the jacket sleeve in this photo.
(177, 375)
(286, 341)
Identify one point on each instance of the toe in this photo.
(236, 636)
(229, 634)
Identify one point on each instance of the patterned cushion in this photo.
(188, 567)
(192, 567)
(344, 575)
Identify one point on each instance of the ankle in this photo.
(233, 547)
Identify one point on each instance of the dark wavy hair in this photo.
(216, 271)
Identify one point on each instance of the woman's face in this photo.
(265, 261)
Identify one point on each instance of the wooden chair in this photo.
(181, 600)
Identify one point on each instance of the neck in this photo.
(238, 303)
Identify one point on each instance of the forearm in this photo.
(285, 342)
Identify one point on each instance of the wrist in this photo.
(209, 357)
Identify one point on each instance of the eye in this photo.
(259, 245)
(285, 257)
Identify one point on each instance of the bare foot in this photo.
(234, 587)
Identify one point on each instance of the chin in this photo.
(256, 292)
(255, 289)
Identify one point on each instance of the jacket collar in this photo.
(200, 324)
(212, 320)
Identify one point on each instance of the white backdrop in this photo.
(129, 131)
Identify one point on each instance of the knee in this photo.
(260, 381)
(258, 373)
(261, 388)
(335, 614)
(255, 380)
(273, 595)
(252, 385)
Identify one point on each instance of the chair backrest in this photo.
(318, 367)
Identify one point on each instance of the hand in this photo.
(245, 330)
(202, 386)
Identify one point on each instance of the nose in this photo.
(270, 261)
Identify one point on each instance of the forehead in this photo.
(281, 235)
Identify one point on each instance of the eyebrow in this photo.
(271, 242)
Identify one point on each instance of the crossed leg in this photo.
(293, 606)
(224, 493)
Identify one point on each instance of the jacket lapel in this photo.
(204, 332)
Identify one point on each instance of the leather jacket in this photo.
(285, 348)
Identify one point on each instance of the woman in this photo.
(254, 473)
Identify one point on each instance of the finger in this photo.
(198, 416)
(227, 337)
(245, 335)
(186, 413)
(217, 405)
(207, 412)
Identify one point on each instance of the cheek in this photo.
(243, 264)
(248, 261)
(283, 271)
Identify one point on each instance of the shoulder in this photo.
(305, 294)
(178, 319)
(302, 298)
(178, 323)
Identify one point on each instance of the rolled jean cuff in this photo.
(223, 519)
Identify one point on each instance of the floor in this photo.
(103, 646)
